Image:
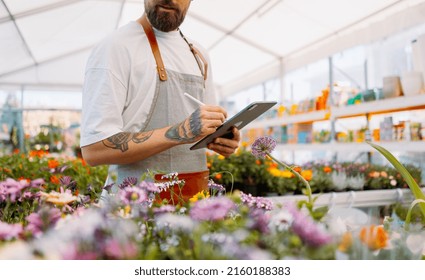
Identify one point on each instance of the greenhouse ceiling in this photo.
(45, 43)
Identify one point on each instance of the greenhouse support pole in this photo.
(282, 80)
(20, 122)
(331, 103)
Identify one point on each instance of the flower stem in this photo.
(310, 199)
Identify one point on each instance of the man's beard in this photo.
(165, 20)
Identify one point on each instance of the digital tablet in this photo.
(241, 119)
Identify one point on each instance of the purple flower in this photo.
(68, 182)
(307, 229)
(132, 195)
(215, 188)
(128, 182)
(150, 187)
(42, 220)
(256, 202)
(108, 187)
(37, 183)
(9, 231)
(164, 209)
(212, 209)
(11, 189)
(259, 220)
(263, 146)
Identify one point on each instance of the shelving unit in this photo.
(390, 105)
(300, 118)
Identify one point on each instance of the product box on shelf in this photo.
(392, 87)
(276, 132)
(415, 131)
(386, 129)
(249, 135)
(299, 133)
(412, 83)
(322, 136)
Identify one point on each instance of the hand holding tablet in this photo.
(240, 120)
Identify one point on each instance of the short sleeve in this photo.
(104, 98)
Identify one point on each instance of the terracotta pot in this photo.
(194, 183)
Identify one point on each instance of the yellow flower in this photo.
(199, 196)
(307, 174)
(127, 209)
(275, 172)
(346, 242)
(287, 174)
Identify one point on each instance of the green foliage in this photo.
(86, 180)
(261, 176)
(410, 180)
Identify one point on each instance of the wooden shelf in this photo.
(390, 105)
(299, 118)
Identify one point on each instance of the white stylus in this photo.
(193, 98)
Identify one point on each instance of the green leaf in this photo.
(414, 187)
(409, 213)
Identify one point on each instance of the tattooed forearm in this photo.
(187, 130)
(120, 141)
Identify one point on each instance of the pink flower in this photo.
(212, 209)
(9, 231)
(132, 195)
(42, 220)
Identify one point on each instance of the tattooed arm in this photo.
(127, 147)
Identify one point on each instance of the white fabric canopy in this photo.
(45, 43)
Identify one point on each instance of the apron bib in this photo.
(171, 107)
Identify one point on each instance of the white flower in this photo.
(175, 222)
(339, 180)
(415, 242)
(57, 198)
(280, 221)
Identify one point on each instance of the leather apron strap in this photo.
(154, 46)
(200, 59)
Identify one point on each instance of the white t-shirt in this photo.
(120, 80)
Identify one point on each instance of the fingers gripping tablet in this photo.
(240, 120)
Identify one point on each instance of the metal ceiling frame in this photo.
(43, 9)
(13, 20)
(267, 6)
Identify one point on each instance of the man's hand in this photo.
(225, 146)
(199, 124)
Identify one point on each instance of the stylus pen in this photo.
(193, 99)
